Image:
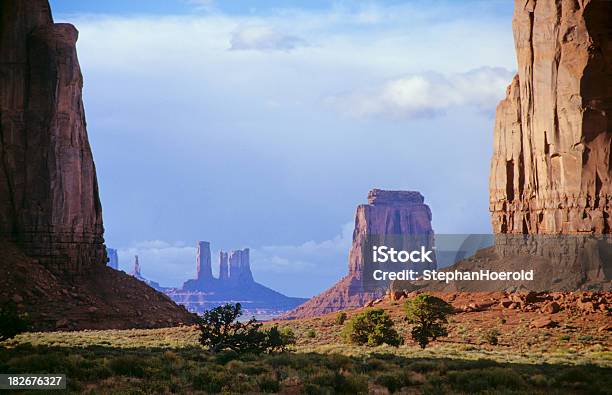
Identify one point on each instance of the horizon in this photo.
(337, 99)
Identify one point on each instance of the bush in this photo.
(11, 322)
(428, 315)
(221, 330)
(491, 337)
(341, 317)
(372, 327)
(279, 340)
(311, 334)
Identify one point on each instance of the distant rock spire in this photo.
(136, 271)
(203, 261)
(240, 266)
(223, 266)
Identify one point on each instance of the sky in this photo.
(264, 124)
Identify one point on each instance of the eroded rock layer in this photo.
(49, 200)
(392, 213)
(551, 171)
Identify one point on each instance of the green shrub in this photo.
(428, 315)
(279, 340)
(372, 327)
(491, 336)
(220, 330)
(11, 322)
(341, 317)
(311, 334)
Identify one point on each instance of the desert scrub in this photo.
(371, 327)
(491, 336)
(341, 318)
(311, 333)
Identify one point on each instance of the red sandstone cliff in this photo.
(387, 213)
(551, 171)
(49, 200)
(49, 204)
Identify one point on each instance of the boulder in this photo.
(544, 322)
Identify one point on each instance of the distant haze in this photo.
(264, 124)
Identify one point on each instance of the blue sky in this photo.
(263, 124)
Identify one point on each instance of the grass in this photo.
(170, 361)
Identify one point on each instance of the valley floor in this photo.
(160, 361)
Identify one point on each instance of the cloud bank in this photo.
(426, 95)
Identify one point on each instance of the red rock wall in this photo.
(551, 170)
(49, 199)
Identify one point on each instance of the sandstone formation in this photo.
(51, 233)
(551, 171)
(234, 284)
(240, 266)
(387, 214)
(550, 182)
(223, 266)
(136, 270)
(49, 200)
(203, 261)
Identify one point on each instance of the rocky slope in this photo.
(552, 163)
(103, 299)
(388, 213)
(49, 204)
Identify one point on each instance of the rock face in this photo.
(223, 266)
(240, 266)
(51, 233)
(551, 171)
(203, 261)
(387, 213)
(49, 200)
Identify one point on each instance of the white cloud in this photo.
(170, 264)
(266, 38)
(422, 95)
(306, 257)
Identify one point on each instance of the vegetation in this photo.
(341, 317)
(311, 333)
(427, 314)
(11, 322)
(221, 330)
(372, 327)
(172, 361)
(492, 336)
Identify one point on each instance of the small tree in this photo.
(221, 330)
(372, 327)
(428, 315)
(11, 322)
(279, 339)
